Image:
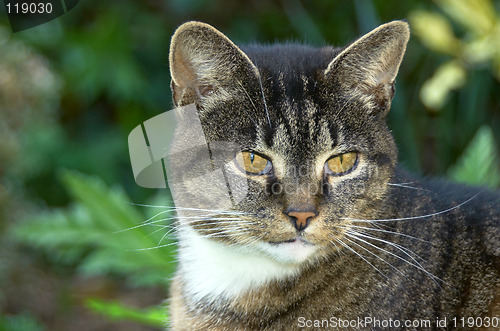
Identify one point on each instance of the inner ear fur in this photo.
(367, 68)
(204, 62)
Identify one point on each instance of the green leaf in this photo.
(477, 16)
(114, 310)
(435, 31)
(101, 234)
(479, 163)
(449, 76)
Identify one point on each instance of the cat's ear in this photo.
(205, 63)
(367, 68)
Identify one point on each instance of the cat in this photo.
(309, 222)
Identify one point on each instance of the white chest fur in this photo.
(211, 270)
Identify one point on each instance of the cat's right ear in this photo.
(367, 69)
(204, 63)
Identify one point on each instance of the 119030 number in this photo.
(29, 8)
(476, 322)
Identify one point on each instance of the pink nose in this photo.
(301, 219)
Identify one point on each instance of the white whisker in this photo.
(417, 265)
(150, 248)
(406, 185)
(251, 101)
(387, 231)
(414, 217)
(264, 101)
(358, 254)
(146, 222)
(162, 227)
(377, 256)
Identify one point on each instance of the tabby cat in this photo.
(292, 211)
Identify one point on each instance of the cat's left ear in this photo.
(204, 63)
(367, 68)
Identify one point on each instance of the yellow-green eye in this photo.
(252, 163)
(341, 164)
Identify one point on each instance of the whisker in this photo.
(264, 100)
(164, 236)
(219, 234)
(402, 249)
(251, 101)
(387, 231)
(358, 254)
(186, 220)
(415, 217)
(177, 208)
(146, 222)
(149, 206)
(346, 102)
(162, 227)
(150, 248)
(405, 185)
(377, 256)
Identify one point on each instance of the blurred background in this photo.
(72, 89)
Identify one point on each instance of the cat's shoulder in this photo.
(459, 208)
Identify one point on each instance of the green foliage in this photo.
(449, 76)
(479, 164)
(448, 82)
(480, 44)
(99, 60)
(22, 322)
(99, 234)
(115, 311)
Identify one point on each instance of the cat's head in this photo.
(291, 141)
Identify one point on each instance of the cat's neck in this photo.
(223, 280)
(212, 271)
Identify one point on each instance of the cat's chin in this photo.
(296, 250)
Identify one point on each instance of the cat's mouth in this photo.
(294, 250)
(298, 240)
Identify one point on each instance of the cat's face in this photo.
(293, 141)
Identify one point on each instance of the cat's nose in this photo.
(300, 219)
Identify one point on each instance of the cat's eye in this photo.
(252, 163)
(341, 164)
